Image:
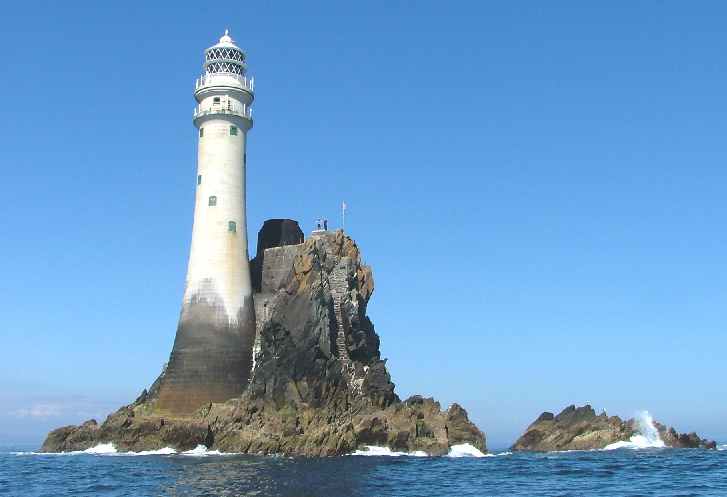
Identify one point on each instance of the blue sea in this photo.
(622, 472)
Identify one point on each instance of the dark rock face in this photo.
(318, 384)
(579, 428)
(299, 356)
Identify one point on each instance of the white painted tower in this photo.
(212, 353)
(219, 235)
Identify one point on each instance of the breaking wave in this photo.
(466, 450)
(460, 450)
(203, 451)
(108, 449)
(647, 437)
(166, 451)
(100, 449)
(373, 450)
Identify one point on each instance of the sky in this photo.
(538, 186)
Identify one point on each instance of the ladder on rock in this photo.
(341, 335)
(339, 287)
(338, 283)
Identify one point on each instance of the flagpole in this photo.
(343, 215)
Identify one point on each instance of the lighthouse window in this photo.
(232, 227)
(201, 132)
(212, 201)
(199, 179)
(216, 100)
(233, 130)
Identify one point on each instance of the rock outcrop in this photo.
(318, 386)
(580, 428)
(677, 440)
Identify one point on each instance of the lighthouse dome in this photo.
(224, 57)
(226, 39)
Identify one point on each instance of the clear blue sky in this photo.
(539, 187)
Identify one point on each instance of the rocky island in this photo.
(580, 428)
(318, 385)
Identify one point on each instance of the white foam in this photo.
(466, 450)
(722, 447)
(647, 437)
(107, 449)
(166, 451)
(202, 451)
(101, 449)
(373, 450)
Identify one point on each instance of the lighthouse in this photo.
(212, 354)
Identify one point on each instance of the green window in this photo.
(233, 130)
(201, 132)
(199, 179)
(232, 226)
(216, 100)
(212, 201)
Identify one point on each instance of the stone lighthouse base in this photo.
(211, 359)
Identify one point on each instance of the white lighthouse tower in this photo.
(212, 353)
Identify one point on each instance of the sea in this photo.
(627, 470)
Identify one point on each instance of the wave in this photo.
(722, 447)
(108, 449)
(466, 450)
(374, 450)
(101, 449)
(166, 451)
(647, 437)
(460, 450)
(203, 451)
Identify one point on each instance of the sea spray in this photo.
(107, 448)
(647, 436)
(373, 450)
(103, 449)
(460, 450)
(203, 451)
(466, 450)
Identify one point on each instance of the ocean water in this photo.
(621, 472)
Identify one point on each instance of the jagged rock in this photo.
(572, 429)
(68, 438)
(579, 428)
(683, 440)
(318, 386)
